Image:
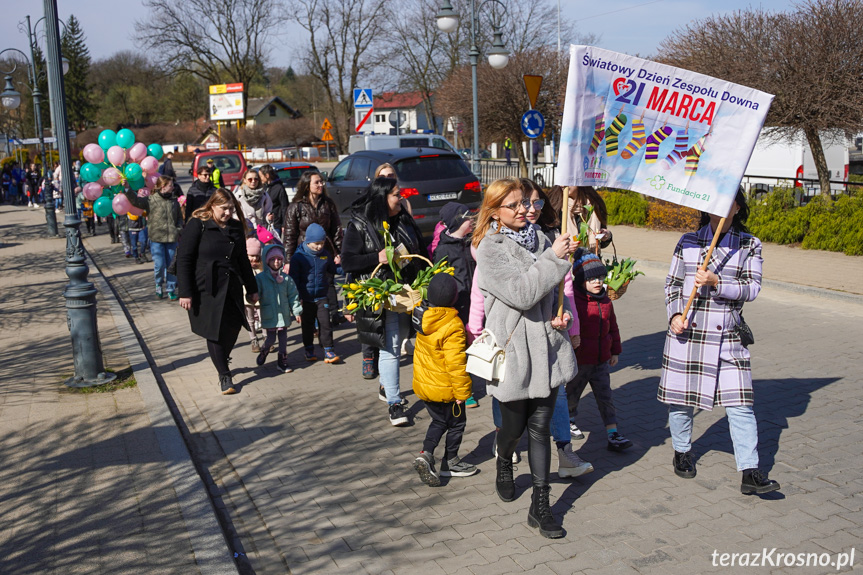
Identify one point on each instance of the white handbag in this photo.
(486, 359)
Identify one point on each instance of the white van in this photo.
(361, 142)
(791, 159)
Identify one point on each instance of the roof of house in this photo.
(393, 100)
(257, 105)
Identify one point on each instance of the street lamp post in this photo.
(11, 99)
(80, 294)
(498, 57)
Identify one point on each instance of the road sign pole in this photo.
(530, 173)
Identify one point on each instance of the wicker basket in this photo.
(406, 299)
(615, 294)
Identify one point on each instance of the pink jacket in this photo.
(476, 318)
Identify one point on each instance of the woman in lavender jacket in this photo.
(704, 362)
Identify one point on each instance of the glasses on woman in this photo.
(526, 204)
(253, 179)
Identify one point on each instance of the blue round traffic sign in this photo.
(532, 124)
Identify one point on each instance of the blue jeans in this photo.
(396, 327)
(741, 423)
(136, 237)
(163, 253)
(559, 418)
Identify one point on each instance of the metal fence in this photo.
(543, 173)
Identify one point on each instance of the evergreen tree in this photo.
(79, 106)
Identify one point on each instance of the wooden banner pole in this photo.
(564, 221)
(716, 235)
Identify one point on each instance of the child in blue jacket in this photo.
(280, 303)
(309, 267)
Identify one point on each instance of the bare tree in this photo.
(216, 40)
(810, 58)
(502, 96)
(342, 34)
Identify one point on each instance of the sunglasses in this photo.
(253, 179)
(526, 204)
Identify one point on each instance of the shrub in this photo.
(625, 207)
(837, 228)
(662, 215)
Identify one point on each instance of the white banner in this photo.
(662, 131)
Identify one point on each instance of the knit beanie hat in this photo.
(585, 267)
(442, 290)
(315, 233)
(453, 215)
(253, 247)
(275, 251)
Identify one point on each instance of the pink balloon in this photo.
(121, 204)
(92, 191)
(102, 183)
(143, 193)
(135, 211)
(151, 180)
(150, 165)
(94, 154)
(116, 155)
(137, 152)
(111, 177)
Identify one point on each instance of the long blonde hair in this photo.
(221, 197)
(494, 196)
(383, 167)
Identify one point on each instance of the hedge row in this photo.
(822, 224)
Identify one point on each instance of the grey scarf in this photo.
(525, 237)
(253, 196)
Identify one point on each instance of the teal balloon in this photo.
(133, 172)
(155, 150)
(107, 138)
(116, 190)
(90, 172)
(137, 184)
(125, 138)
(102, 207)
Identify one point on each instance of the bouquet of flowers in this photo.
(620, 273)
(392, 294)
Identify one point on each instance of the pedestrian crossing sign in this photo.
(362, 98)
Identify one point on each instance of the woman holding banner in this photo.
(706, 362)
(519, 270)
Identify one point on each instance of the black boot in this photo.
(504, 484)
(227, 384)
(684, 465)
(755, 481)
(540, 514)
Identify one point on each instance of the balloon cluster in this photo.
(117, 161)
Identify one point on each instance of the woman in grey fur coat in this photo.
(521, 270)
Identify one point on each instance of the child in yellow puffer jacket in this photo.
(441, 381)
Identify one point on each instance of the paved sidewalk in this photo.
(83, 485)
(309, 476)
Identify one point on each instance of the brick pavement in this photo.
(83, 486)
(310, 477)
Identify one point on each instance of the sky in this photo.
(631, 26)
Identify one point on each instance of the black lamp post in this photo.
(498, 56)
(80, 294)
(11, 99)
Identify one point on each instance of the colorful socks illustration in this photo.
(637, 141)
(612, 133)
(694, 155)
(598, 134)
(653, 142)
(681, 145)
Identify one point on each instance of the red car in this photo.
(230, 163)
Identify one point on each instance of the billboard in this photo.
(226, 102)
(659, 130)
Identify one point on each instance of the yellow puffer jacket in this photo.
(439, 358)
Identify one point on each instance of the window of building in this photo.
(272, 111)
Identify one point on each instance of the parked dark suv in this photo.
(428, 177)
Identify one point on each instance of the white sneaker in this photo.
(575, 432)
(408, 347)
(494, 450)
(571, 465)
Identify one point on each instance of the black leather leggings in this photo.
(535, 415)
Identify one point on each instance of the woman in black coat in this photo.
(212, 269)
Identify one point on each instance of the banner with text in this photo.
(659, 130)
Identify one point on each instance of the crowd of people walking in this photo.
(253, 259)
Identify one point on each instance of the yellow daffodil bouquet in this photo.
(377, 294)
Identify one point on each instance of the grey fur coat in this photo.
(520, 300)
